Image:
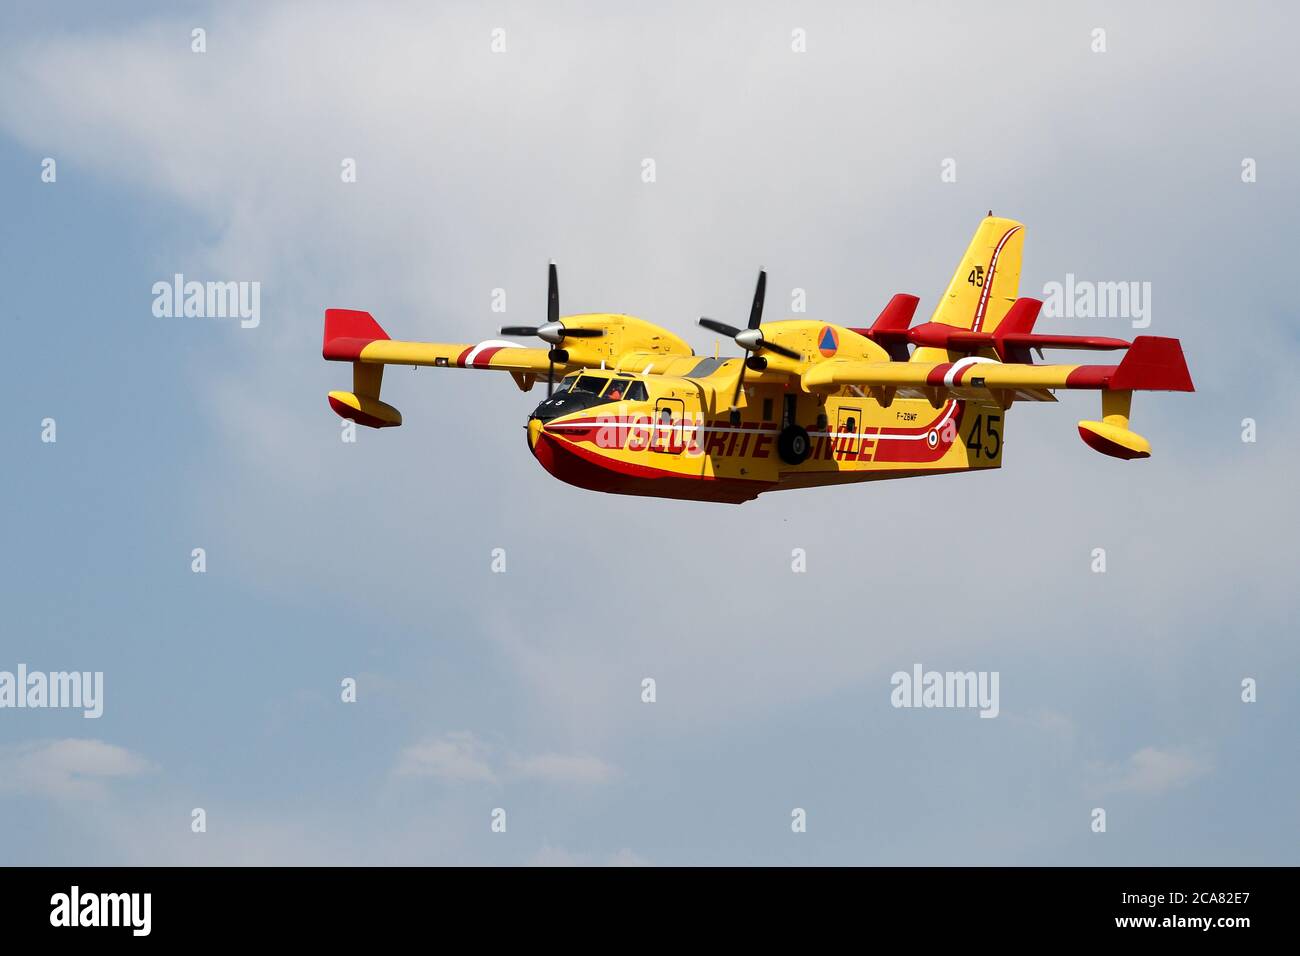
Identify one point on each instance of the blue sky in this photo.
(523, 690)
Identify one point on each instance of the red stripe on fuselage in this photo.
(912, 444)
(586, 469)
(986, 290)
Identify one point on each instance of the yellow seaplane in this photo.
(635, 411)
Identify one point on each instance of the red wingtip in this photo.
(1153, 364)
(347, 332)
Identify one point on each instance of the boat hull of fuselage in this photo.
(585, 452)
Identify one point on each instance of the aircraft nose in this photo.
(534, 430)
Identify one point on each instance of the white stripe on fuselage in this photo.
(656, 428)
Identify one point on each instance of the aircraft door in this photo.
(670, 416)
(848, 433)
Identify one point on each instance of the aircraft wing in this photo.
(353, 336)
(1151, 364)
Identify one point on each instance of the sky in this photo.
(521, 691)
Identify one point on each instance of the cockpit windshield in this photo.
(590, 383)
(583, 390)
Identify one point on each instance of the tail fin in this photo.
(889, 331)
(1019, 321)
(987, 280)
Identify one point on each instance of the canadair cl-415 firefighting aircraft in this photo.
(631, 409)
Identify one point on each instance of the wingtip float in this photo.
(631, 409)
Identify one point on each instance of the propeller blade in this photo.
(760, 293)
(781, 350)
(722, 328)
(735, 396)
(552, 295)
(552, 331)
(550, 375)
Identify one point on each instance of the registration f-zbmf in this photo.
(631, 409)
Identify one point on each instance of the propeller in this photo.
(552, 331)
(751, 340)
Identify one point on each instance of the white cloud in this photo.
(457, 757)
(1152, 770)
(564, 768)
(67, 768)
(461, 757)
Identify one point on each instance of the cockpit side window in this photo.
(617, 390)
(636, 392)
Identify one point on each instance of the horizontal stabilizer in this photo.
(1011, 340)
(1089, 342)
